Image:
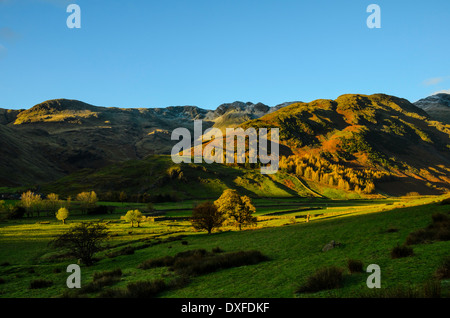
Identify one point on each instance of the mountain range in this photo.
(409, 142)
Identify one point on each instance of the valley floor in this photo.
(367, 230)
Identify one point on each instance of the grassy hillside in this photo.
(159, 175)
(359, 132)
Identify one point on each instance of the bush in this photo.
(98, 284)
(198, 265)
(217, 250)
(430, 289)
(323, 279)
(101, 209)
(355, 266)
(127, 250)
(143, 289)
(391, 230)
(40, 283)
(113, 273)
(197, 262)
(158, 262)
(443, 272)
(438, 230)
(401, 251)
(16, 213)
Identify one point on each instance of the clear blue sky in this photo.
(188, 52)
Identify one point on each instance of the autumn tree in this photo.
(53, 202)
(31, 202)
(87, 200)
(236, 208)
(62, 215)
(134, 216)
(206, 216)
(123, 197)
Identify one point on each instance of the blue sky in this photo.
(189, 52)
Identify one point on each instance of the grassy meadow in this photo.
(367, 230)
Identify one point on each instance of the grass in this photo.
(293, 251)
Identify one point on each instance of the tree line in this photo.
(315, 168)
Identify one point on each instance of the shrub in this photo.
(439, 218)
(198, 265)
(98, 210)
(430, 289)
(323, 279)
(355, 266)
(417, 237)
(40, 283)
(438, 230)
(217, 250)
(127, 250)
(98, 284)
(157, 262)
(401, 251)
(197, 262)
(443, 272)
(143, 289)
(112, 273)
(392, 230)
(16, 213)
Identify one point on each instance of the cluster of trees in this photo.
(122, 196)
(32, 204)
(317, 169)
(230, 208)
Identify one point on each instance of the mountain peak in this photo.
(437, 106)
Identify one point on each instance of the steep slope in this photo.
(157, 175)
(23, 158)
(378, 137)
(73, 135)
(437, 106)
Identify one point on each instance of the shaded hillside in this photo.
(359, 132)
(69, 135)
(158, 175)
(23, 158)
(354, 143)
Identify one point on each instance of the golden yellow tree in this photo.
(87, 200)
(236, 208)
(134, 216)
(62, 215)
(30, 201)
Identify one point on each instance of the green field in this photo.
(293, 248)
